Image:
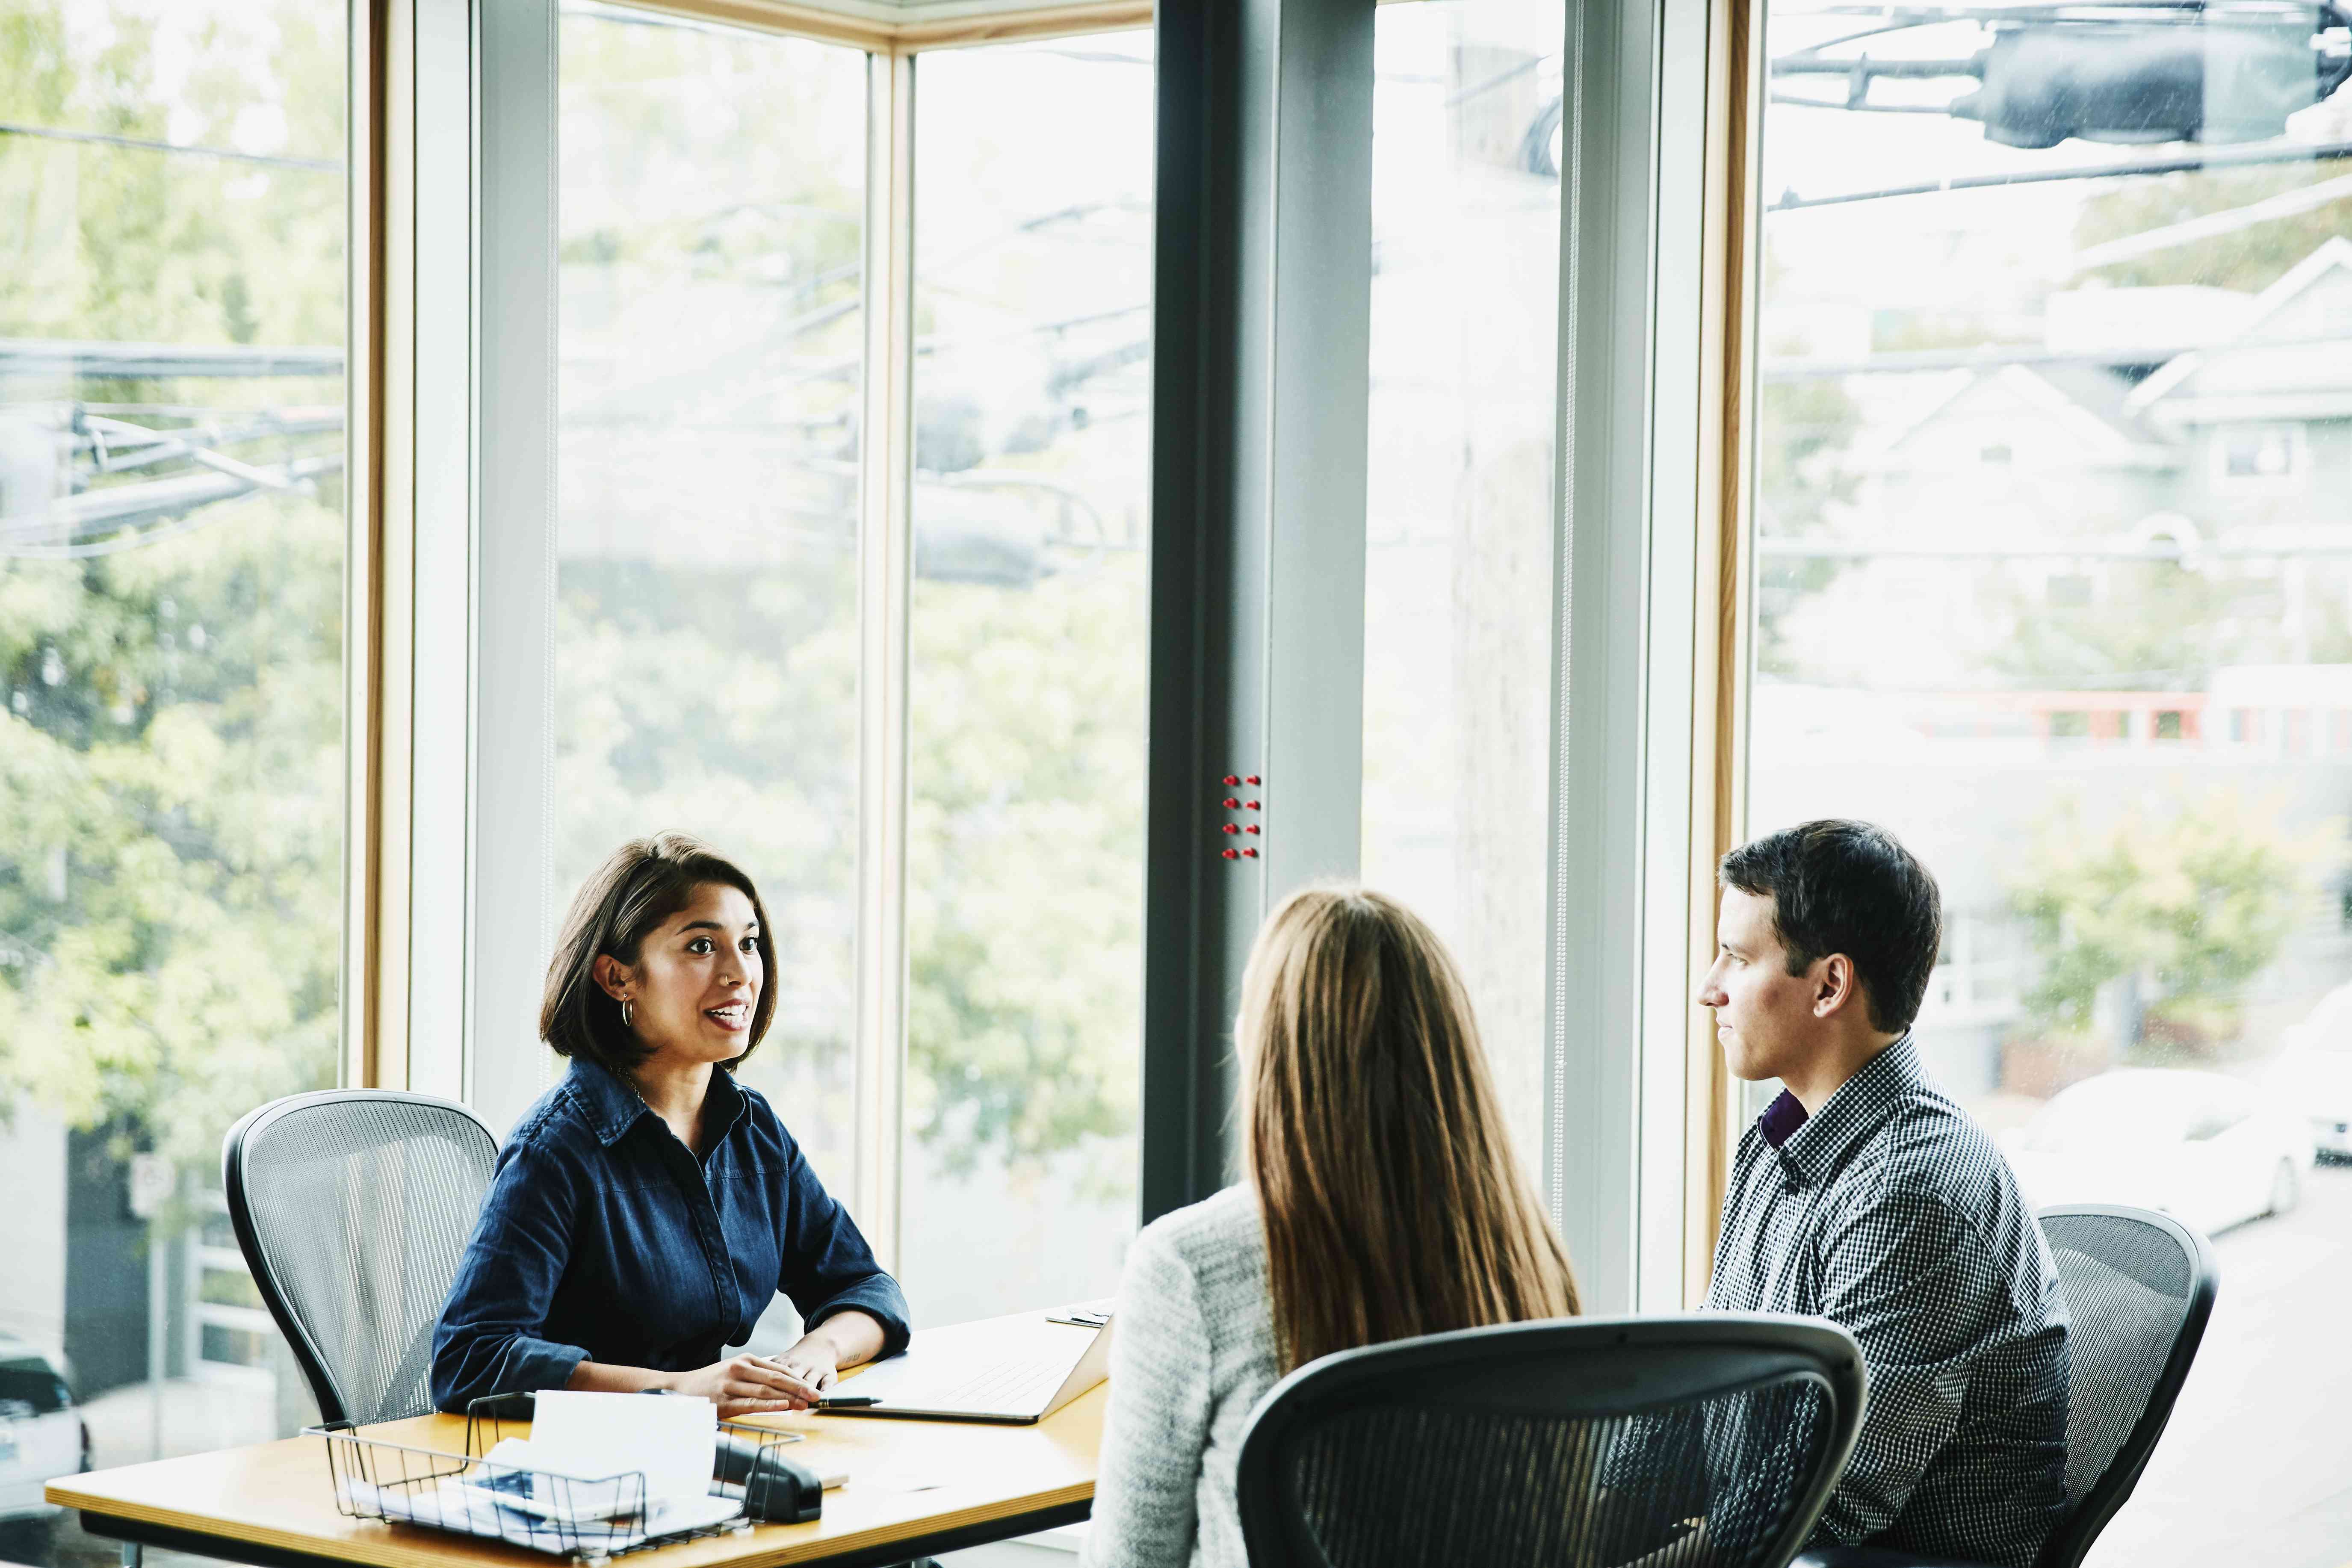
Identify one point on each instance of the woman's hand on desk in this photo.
(811, 1362)
(743, 1384)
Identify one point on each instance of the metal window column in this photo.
(1262, 300)
(513, 542)
(412, 585)
(884, 579)
(1633, 296)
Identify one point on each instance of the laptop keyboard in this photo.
(1009, 1386)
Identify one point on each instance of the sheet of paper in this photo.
(673, 1440)
(692, 1514)
(514, 1475)
(471, 1510)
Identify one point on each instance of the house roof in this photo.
(2090, 399)
(2292, 359)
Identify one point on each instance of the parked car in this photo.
(42, 1434)
(2313, 1071)
(2207, 1149)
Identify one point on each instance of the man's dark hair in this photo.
(643, 882)
(1849, 888)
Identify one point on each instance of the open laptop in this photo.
(1016, 1378)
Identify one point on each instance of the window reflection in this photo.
(1458, 561)
(706, 623)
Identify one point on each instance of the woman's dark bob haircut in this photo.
(644, 882)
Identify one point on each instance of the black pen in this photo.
(846, 1402)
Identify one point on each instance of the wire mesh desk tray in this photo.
(566, 1516)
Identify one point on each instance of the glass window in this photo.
(712, 201)
(2144, 299)
(1030, 637)
(172, 539)
(2251, 458)
(1459, 530)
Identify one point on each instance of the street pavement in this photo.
(2255, 1471)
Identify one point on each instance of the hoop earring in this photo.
(626, 1021)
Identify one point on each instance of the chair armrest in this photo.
(1872, 1557)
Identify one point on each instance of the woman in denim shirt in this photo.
(648, 1209)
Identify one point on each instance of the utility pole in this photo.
(151, 1181)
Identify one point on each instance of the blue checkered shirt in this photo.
(1892, 1214)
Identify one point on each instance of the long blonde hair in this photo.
(1393, 1202)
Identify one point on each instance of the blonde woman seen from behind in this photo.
(1382, 1200)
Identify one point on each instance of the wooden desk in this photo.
(273, 1504)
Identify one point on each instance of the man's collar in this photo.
(1781, 1118)
(1820, 1138)
(611, 1103)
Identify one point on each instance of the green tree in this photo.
(2184, 902)
(726, 703)
(2249, 258)
(1805, 428)
(2156, 625)
(171, 712)
(1026, 935)
(171, 744)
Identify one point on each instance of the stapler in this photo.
(776, 1491)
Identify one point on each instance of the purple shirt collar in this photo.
(1781, 1118)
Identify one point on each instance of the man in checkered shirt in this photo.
(1863, 1194)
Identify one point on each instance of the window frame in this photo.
(2293, 479)
(1650, 319)
(1661, 229)
(409, 685)
(447, 811)
(453, 296)
(1723, 586)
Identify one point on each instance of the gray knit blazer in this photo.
(1193, 1353)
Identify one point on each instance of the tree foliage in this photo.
(171, 790)
(1026, 931)
(1805, 431)
(707, 635)
(2188, 900)
(2249, 259)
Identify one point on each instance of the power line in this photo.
(2086, 549)
(1915, 362)
(100, 360)
(143, 144)
(64, 529)
(2311, 153)
(2288, 203)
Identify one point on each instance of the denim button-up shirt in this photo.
(604, 1239)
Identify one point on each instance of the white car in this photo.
(41, 1433)
(2207, 1149)
(2313, 1071)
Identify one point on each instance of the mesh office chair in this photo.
(352, 1208)
(2140, 1287)
(1562, 1443)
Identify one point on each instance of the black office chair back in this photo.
(1568, 1443)
(352, 1208)
(2140, 1287)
